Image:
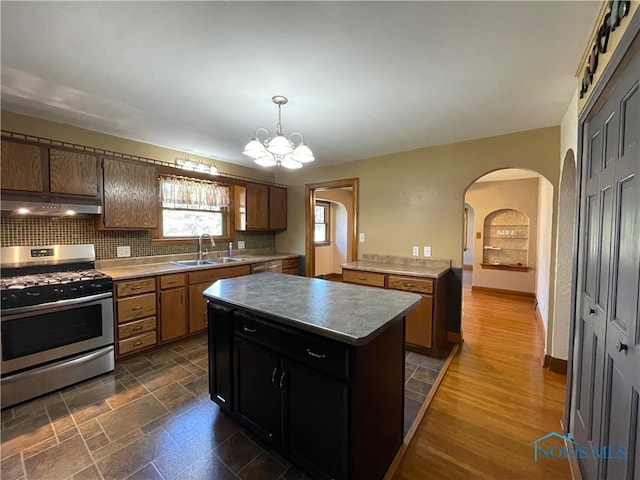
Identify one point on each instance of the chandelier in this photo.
(278, 150)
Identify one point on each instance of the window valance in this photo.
(188, 193)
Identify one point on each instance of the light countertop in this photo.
(434, 270)
(137, 267)
(350, 314)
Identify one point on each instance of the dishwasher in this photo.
(274, 266)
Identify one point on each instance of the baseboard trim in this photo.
(467, 267)
(501, 291)
(573, 462)
(453, 337)
(540, 326)
(555, 365)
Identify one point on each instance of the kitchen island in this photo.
(314, 368)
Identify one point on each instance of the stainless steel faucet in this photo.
(202, 253)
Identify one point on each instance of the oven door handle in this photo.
(56, 366)
(53, 306)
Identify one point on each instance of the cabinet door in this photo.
(73, 173)
(221, 355)
(316, 421)
(419, 323)
(173, 313)
(257, 390)
(197, 307)
(277, 208)
(21, 167)
(257, 207)
(130, 195)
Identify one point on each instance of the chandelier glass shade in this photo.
(278, 150)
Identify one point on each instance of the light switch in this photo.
(416, 251)
(362, 238)
(478, 234)
(427, 251)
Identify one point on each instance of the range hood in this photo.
(52, 208)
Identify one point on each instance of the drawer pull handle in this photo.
(409, 285)
(139, 327)
(249, 330)
(136, 308)
(315, 355)
(137, 344)
(362, 278)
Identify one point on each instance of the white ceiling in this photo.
(363, 78)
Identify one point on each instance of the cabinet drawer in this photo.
(319, 353)
(136, 343)
(291, 271)
(172, 281)
(136, 307)
(137, 327)
(364, 278)
(410, 284)
(290, 263)
(135, 287)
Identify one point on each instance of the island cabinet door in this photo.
(221, 355)
(315, 411)
(258, 399)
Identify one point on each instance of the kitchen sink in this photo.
(213, 261)
(227, 260)
(195, 263)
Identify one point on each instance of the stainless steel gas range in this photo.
(56, 322)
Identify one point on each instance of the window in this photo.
(322, 221)
(191, 207)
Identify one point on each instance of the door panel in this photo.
(607, 370)
(257, 394)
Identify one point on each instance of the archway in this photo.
(531, 193)
(564, 262)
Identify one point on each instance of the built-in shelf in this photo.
(513, 268)
(506, 240)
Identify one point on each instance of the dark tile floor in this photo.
(152, 419)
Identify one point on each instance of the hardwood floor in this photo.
(494, 401)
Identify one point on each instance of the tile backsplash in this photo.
(24, 231)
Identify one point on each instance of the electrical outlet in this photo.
(416, 251)
(478, 234)
(123, 251)
(427, 251)
(241, 244)
(362, 238)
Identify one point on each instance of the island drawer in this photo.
(372, 279)
(410, 284)
(319, 353)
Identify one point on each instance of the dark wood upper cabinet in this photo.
(277, 208)
(22, 167)
(73, 173)
(130, 195)
(260, 207)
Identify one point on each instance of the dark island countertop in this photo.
(351, 314)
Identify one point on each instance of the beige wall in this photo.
(487, 197)
(13, 122)
(330, 258)
(417, 197)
